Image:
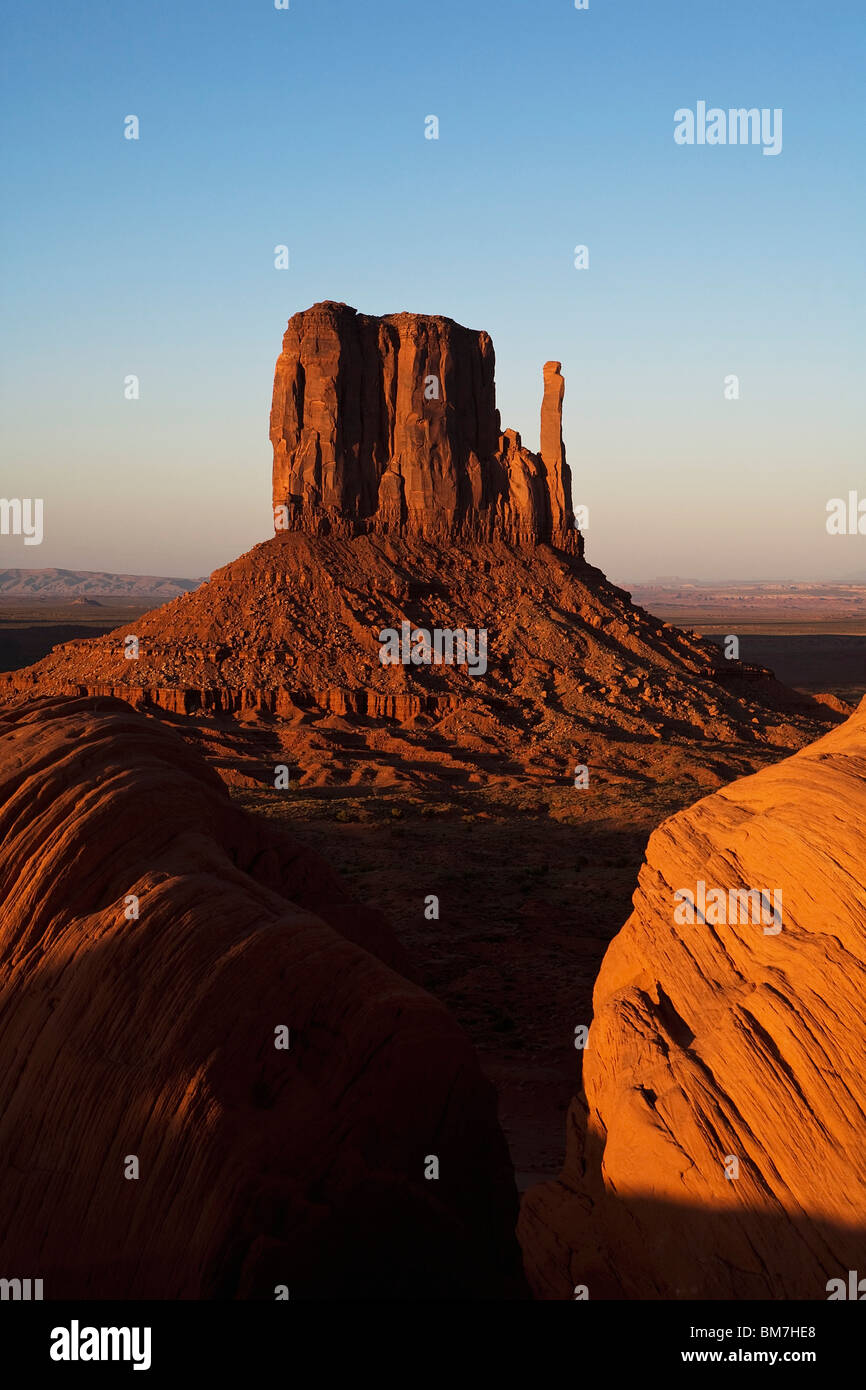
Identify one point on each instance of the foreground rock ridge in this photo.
(153, 1038)
(390, 425)
(711, 1043)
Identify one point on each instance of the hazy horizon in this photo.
(155, 257)
(660, 580)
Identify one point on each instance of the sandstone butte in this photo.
(155, 1038)
(712, 1042)
(390, 425)
(398, 498)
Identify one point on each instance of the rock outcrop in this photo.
(390, 425)
(551, 446)
(155, 1142)
(719, 1150)
(399, 502)
(575, 672)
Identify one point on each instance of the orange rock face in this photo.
(719, 1152)
(390, 425)
(147, 1044)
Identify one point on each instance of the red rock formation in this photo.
(714, 1041)
(390, 425)
(155, 1038)
(575, 673)
(403, 503)
(552, 447)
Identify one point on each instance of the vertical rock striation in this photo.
(390, 425)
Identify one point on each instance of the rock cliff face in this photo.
(719, 1153)
(390, 425)
(153, 1038)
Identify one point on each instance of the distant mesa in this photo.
(390, 425)
(61, 583)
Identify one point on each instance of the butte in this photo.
(398, 498)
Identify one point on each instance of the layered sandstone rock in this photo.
(390, 425)
(727, 1047)
(153, 1038)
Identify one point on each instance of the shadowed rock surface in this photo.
(155, 1038)
(711, 1041)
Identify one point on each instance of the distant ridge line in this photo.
(63, 583)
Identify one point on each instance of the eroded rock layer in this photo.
(152, 1038)
(719, 1150)
(390, 424)
(574, 672)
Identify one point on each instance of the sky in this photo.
(305, 127)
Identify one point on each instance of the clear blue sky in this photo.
(306, 127)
